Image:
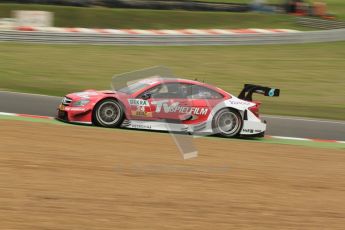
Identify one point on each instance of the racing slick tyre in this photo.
(227, 123)
(108, 113)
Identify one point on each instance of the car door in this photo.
(168, 101)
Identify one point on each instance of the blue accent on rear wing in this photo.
(249, 89)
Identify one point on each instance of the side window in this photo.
(170, 90)
(159, 89)
(200, 92)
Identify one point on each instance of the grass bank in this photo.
(336, 7)
(310, 76)
(97, 17)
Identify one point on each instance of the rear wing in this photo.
(249, 89)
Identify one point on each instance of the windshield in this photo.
(133, 81)
(133, 88)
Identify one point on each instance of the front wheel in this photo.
(108, 113)
(227, 123)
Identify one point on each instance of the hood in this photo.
(89, 94)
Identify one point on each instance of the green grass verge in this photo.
(154, 19)
(257, 140)
(162, 19)
(310, 76)
(336, 7)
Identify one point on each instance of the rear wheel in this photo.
(108, 113)
(227, 123)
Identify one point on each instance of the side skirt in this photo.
(164, 126)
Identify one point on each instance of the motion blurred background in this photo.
(59, 176)
(311, 75)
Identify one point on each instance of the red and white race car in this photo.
(169, 104)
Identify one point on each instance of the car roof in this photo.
(155, 80)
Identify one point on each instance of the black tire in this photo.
(108, 113)
(227, 123)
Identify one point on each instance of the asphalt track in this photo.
(43, 105)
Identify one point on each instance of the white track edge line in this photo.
(303, 119)
(31, 94)
(291, 138)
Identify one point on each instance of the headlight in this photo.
(81, 102)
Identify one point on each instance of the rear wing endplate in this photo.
(249, 89)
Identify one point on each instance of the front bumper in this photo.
(81, 115)
(62, 115)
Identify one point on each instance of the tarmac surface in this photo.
(43, 105)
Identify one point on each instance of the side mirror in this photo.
(146, 96)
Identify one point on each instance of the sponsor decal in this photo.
(141, 113)
(248, 130)
(239, 102)
(63, 108)
(138, 102)
(252, 130)
(271, 92)
(163, 106)
(139, 126)
(260, 91)
(75, 109)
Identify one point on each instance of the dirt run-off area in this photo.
(75, 177)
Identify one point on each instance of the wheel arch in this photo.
(241, 113)
(240, 110)
(103, 99)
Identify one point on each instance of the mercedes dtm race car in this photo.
(170, 104)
